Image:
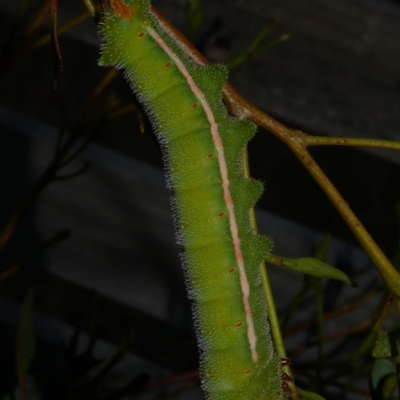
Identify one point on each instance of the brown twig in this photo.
(334, 313)
(363, 326)
(296, 141)
(58, 61)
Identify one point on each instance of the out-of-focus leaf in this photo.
(301, 294)
(364, 348)
(381, 371)
(194, 18)
(385, 346)
(90, 6)
(25, 341)
(321, 249)
(389, 386)
(257, 47)
(309, 395)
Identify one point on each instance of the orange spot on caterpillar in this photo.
(121, 9)
(221, 214)
(230, 270)
(194, 105)
(210, 155)
(248, 371)
(168, 64)
(239, 324)
(141, 34)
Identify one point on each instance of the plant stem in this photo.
(356, 142)
(63, 28)
(269, 298)
(91, 7)
(297, 142)
(293, 139)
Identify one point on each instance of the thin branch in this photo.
(296, 141)
(58, 61)
(91, 7)
(63, 28)
(37, 19)
(350, 142)
(338, 311)
(269, 298)
(361, 327)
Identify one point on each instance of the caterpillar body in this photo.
(202, 148)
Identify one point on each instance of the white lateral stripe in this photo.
(225, 185)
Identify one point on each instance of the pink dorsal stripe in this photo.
(225, 185)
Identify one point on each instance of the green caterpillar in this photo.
(202, 147)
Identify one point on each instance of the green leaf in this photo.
(385, 346)
(315, 267)
(300, 296)
(257, 47)
(194, 18)
(364, 348)
(309, 395)
(25, 341)
(310, 266)
(321, 249)
(389, 386)
(382, 374)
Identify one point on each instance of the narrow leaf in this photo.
(381, 370)
(309, 395)
(385, 346)
(310, 266)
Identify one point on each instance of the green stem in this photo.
(90, 6)
(319, 300)
(356, 142)
(272, 314)
(279, 261)
(296, 141)
(308, 395)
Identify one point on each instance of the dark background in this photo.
(337, 75)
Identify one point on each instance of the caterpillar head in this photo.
(121, 21)
(129, 9)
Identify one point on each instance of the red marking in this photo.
(121, 9)
(194, 105)
(285, 361)
(168, 64)
(216, 137)
(141, 34)
(248, 371)
(286, 389)
(221, 214)
(286, 377)
(230, 270)
(239, 324)
(210, 155)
